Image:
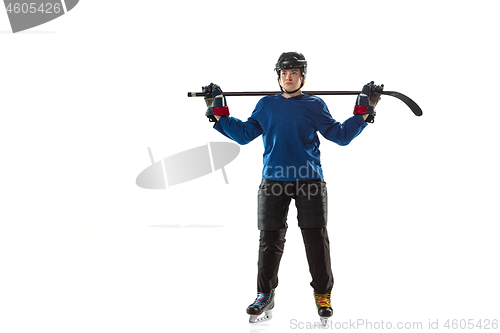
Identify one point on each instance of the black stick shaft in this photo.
(407, 100)
(267, 93)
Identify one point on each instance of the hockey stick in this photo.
(405, 99)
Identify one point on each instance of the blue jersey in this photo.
(289, 129)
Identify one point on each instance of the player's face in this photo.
(290, 79)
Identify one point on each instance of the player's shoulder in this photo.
(313, 98)
(270, 99)
(266, 103)
(314, 101)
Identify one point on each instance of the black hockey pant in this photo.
(271, 246)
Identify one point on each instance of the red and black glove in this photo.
(367, 100)
(216, 102)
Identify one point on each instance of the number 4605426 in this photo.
(32, 8)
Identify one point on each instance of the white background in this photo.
(413, 217)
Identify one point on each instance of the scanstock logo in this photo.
(188, 165)
(26, 14)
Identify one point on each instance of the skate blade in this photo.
(324, 321)
(267, 315)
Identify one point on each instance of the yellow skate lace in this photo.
(322, 300)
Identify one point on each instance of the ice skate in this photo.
(261, 309)
(324, 307)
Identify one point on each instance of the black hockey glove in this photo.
(367, 100)
(216, 102)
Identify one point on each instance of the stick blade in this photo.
(407, 100)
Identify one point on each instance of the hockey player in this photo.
(288, 123)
